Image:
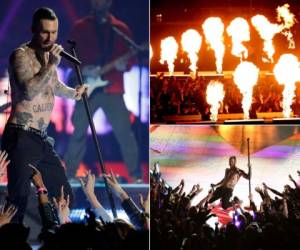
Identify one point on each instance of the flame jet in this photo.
(213, 29)
(191, 42)
(214, 96)
(266, 31)
(287, 73)
(239, 32)
(169, 48)
(245, 77)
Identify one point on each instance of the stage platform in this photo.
(207, 74)
(32, 218)
(234, 118)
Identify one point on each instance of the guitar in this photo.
(92, 74)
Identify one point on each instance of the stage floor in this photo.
(199, 155)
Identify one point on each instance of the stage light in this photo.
(78, 215)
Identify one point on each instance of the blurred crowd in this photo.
(187, 96)
(176, 224)
(98, 231)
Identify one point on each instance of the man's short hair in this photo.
(232, 157)
(42, 13)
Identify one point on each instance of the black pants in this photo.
(113, 106)
(225, 194)
(24, 147)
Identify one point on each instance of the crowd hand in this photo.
(178, 188)
(155, 193)
(209, 195)
(121, 65)
(36, 177)
(291, 178)
(6, 214)
(116, 187)
(79, 90)
(3, 162)
(258, 189)
(62, 207)
(54, 54)
(250, 197)
(194, 188)
(265, 185)
(88, 184)
(145, 204)
(181, 186)
(198, 189)
(181, 182)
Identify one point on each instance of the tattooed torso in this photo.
(32, 102)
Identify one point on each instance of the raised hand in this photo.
(3, 163)
(88, 184)
(116, 187)
(54, 54)
(6, 214)
(198, 189)
(36, 177)
(145, 204)
(258, 189)
(79, 90)
(62, 206)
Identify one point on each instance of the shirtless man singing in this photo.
(225, 187)
(34, 83)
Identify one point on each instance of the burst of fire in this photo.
(284, 15)
(213, 28)
(214, 97)
(245, 77)
(266, 31)
(239, 32)
(287, 73)
(191, 43)
(169, 48)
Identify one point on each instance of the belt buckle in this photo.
(25, 127)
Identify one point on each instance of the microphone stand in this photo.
(94, 135)
(249, 169)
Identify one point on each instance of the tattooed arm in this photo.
(31, 83)
(60, 89)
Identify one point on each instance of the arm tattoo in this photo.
(64, 91)
(24, 76)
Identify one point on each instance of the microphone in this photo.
(70, 58)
